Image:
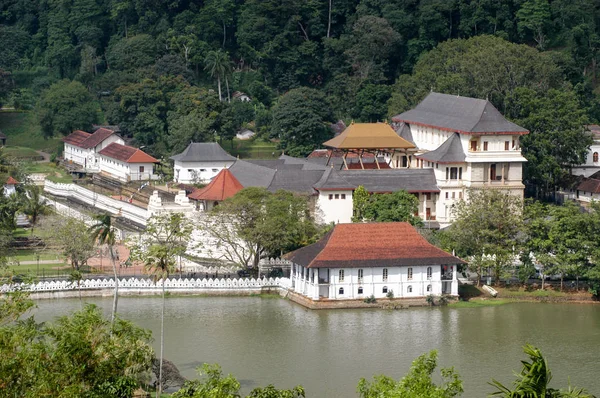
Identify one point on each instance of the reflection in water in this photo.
(263, 341)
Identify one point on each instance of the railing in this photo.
(148, 284)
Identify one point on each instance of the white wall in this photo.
(335, 210)
(75, 154)
(184, 171)
(126, 171)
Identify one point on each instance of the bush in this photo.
(430, 299)
(390, 294)
(371, 299)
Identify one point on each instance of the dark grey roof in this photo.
(252, 175)
(332, 180)
(403, 130)
(338, 163)
(460, 114)
(451, 151)
(203, 152)
(287, 162)
(392, 180)
(270, 163)
(295, 180)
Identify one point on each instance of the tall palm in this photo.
(217, 63)
(104, 233)
(34, 205)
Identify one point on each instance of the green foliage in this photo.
(390, 207)
(132, 52)
(370, 300)
(534, 380)
(78, 355)
(64, 107)
(360, 200)
(71, 236)
(390, 294)
(300, 121)
(371, 103)
(417, 383)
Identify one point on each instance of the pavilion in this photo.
(371, 139)
(223, 186)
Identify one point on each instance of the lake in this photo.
(270, 340)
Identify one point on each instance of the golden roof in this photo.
(369, 136)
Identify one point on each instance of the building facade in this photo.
(592, 161)
(126, 163)
(384, 260)
(200, 162)
(82, 148)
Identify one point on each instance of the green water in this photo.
(263, 341)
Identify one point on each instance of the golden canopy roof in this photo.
(369, 136)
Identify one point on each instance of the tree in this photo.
(255, 223)
(66, 106)
(163, 242)
(104, 233)
(533, 19)
(486, 230)
(71, 236)
(390, 207)
(132, 52)
(534, 380)
(371, 103)
(34, 206)
(218, 65)
(360, 200)
(300, 120)
(417, 383)
(78, 355)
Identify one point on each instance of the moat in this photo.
(271, 340)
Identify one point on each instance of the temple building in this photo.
(223, 186)
(200, 162)
(355, 261)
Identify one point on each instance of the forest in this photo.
(166, 71)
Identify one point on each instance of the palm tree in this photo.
(103, 232)
(160, 247)
(34, 205)
(534, 380)
(217, 63)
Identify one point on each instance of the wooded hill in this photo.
(166, 70)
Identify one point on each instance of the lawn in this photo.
(479, 303)
(54, 173)
(30, 255)
(252, 149)
(20, 152)
(23, 130)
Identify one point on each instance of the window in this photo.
(429, 272)
(460, 173)
(473, 146)
(190, 171)
(436, 166)
(202, 170)
(493, 172)
(506, 145)
(453, 193)
(410, 274)
(341, 275)
(330, 196)
(385, 274)
(384, 290)
(341, 291)
(409, 289)
(460, 195)
(428, 213)
(360, 275)
(447, 195)
(453, 173)
(215, 170)
(360, 290)
(337, 195)
(595, 157)
(429, 288)
(343, 196)
(141, 169)
(428, 195)
(485, 145)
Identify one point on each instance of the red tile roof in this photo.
(11, 181)
(589, 185)
(223, 186)
(76, 138)
(127, 154)
(368, 166)
(371, 245)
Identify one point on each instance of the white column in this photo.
(315, 284)
(454, 286)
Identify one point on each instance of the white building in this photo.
(10, 187)
(355, 261)
(200, 162)
(468, 144)
(82, 148)
(592, 162)
(126, 163)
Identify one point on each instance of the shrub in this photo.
(430, 299)
(371, 299)
(390, 294)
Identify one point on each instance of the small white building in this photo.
(356, 261)
(592, 162)
(126, 163)
(200, 162)
(10, 186)
(82, 148)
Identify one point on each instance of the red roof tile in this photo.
(99, 135)
(589, 185)
(127, 154)
(371, 245)
(76, 138)
(11, 181)
(223, 186)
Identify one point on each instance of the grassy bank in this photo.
(23, 130)
(252, 149)
(475, 303)
(54, 173)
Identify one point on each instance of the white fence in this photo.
(113, 206)
(147, 284)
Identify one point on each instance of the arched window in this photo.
(385, 274)
(360, 290)
(429, 272)
(428, 288)
(360, 275)
(341, 278)
(595, 157)
(410, 274)
(409, 289)
(385, 289)
(341, 291)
